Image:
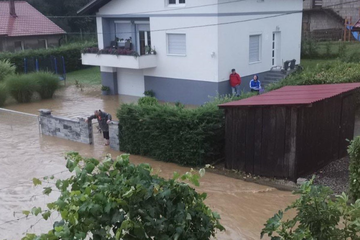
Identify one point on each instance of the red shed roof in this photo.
(29, 21)
(295, 95)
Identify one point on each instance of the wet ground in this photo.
(24, 154)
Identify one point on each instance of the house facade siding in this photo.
(29, 42)
(217, 37)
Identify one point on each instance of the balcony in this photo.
(119, 61)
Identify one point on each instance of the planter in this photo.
(105, 92)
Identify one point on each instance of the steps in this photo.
(273, 77)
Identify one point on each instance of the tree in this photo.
(118, 200)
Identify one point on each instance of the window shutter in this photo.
(177, 44)
(254, 48)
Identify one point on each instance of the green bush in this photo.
(318, 217)
(3, 94)
(46, 83)
(149, 93)
(118, 200)
(174, 134)
(6, 69)
(21, 87)
(70, 52)
(148, 101)
(324, 73)
(354, 153)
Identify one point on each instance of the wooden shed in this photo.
(290, 132)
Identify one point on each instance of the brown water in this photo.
(24, 154)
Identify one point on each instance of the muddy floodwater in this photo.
(24, 154)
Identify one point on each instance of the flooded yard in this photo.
(244, 207)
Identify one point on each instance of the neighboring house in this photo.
(325, 19)
(197, 43)
(23, 27)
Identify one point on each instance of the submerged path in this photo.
(24, 154)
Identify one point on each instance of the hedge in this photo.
(6, 69)
(3, 94)
(324, 73)
(174, 134)
(70, 52)
(21, 87)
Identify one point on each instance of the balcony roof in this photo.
(93, 6)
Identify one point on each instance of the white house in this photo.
(197, 43)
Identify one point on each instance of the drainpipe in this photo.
(12, 8)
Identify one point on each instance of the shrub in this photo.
(324, 73)
(149, 93)
(6, 69)
(105, 88)
(3, 94)
(317, 217)
(309, 49)
(354, 153)
(118, 200)
(147, 101)
(46, 83)
(21, 87)
(70, 52)
(173, 134)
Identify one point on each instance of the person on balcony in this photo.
(235, 81)
(255, 84)
(104, 120)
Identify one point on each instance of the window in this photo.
(175, 2)
(42, 43)
(176, 44)
(19, 46)
(254, 48)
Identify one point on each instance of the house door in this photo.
(276, 49)
(144, 38)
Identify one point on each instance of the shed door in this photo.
(347, 124)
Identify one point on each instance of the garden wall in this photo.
(70, 129)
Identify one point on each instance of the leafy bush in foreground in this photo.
(147, 101)
(318, 217)
(21, 87)
(354, 153)
(6, 69)
(325, 73)
(118, 200)
(3, 94)
(46, 83)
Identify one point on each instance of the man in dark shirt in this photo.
(104, 119)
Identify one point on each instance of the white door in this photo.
(276, 49)
(131, 82)
(144, 38)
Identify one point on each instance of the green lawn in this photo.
(88, 76)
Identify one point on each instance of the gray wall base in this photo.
(109, 79)
(73, 130)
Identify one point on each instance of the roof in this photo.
(29, 21)
(295, 95)
(93, 6)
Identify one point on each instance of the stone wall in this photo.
(74, 130)
(114, 135)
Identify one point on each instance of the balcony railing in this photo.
(118, 58)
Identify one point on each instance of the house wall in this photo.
(341, 7)
(29, 42)
(211, 50)
(237, 35)
(320, 21)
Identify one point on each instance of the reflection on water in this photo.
(244, 207)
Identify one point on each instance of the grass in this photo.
(88, 76)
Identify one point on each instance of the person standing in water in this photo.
(104, 120)
(255, 84)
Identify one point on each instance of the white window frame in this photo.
(260, 47)
(46, 42)
(167, 44)
(176, 4)
(22, 45)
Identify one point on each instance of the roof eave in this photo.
(92, 7)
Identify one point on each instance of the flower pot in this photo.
(105, 92)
